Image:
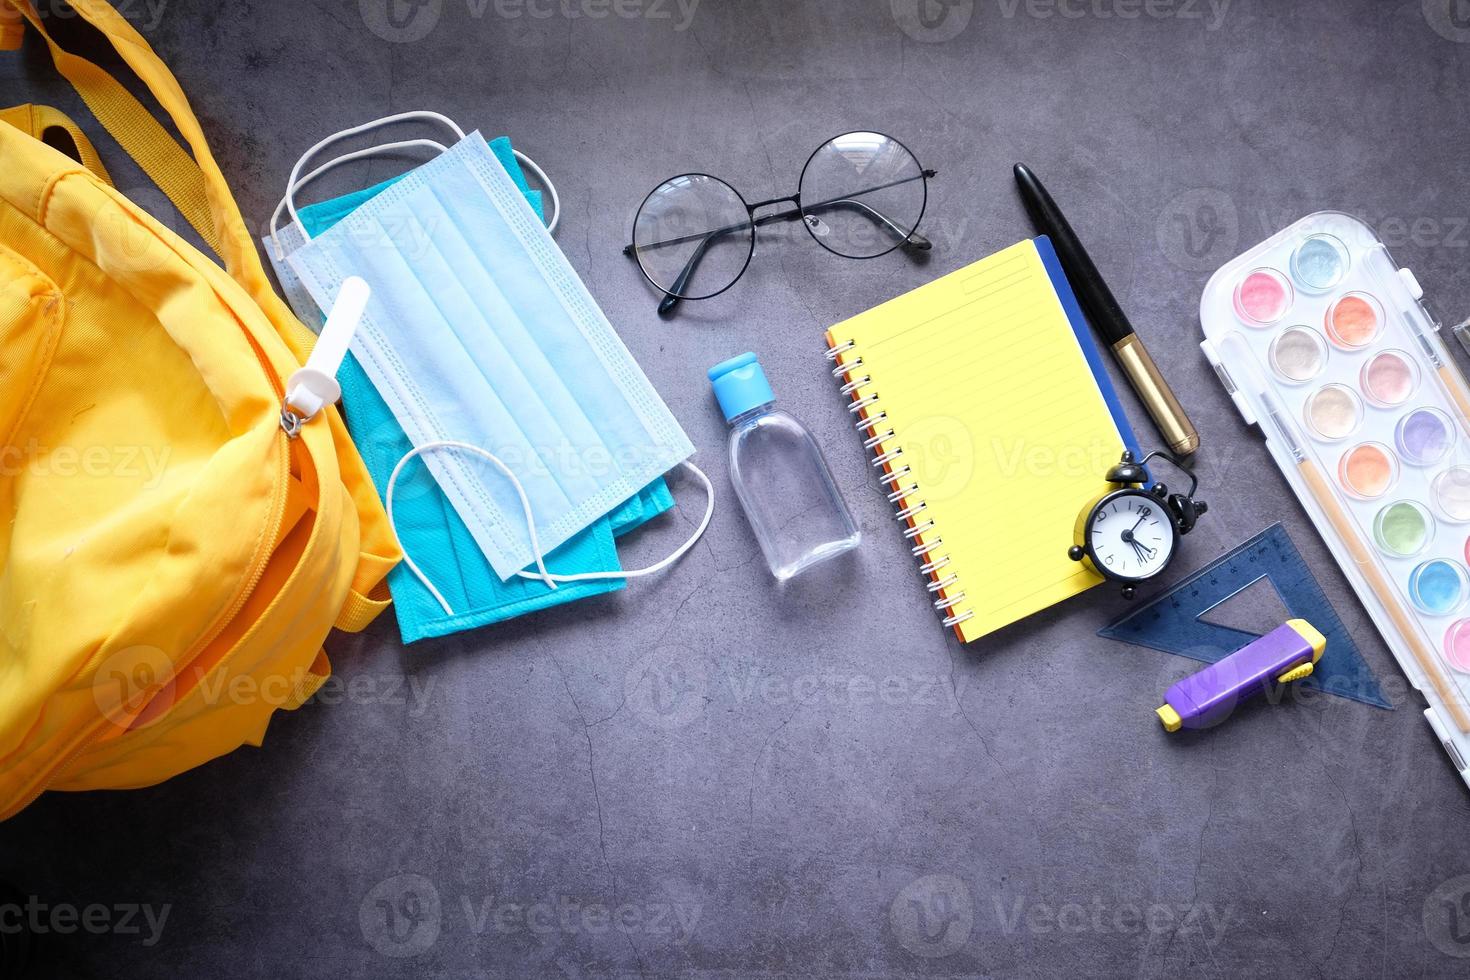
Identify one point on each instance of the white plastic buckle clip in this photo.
(313, 387)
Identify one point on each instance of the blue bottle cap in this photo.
(740, 385)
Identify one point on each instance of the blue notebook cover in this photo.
(1085, 340)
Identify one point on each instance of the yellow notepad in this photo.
(986, 405)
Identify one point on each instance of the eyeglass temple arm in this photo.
(907, 240)
(912, 240)
(671, 297)
(631, 249)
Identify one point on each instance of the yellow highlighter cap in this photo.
(1311, 635)
(1169, 717)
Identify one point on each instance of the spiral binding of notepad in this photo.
(872, 420)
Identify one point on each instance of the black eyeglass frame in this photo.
(909, 241)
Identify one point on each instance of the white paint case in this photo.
(1325, 344)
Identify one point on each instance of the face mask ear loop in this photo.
(344, 158)
(474, 450)
(545, 182)
(658, 566)
(541, 574)
(293, 181)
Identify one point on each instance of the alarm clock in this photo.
(1130, 534)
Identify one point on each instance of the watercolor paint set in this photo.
(1325, 343)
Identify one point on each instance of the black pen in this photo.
(1107, 317)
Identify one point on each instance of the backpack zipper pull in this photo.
(314, 386)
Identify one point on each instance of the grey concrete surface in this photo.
(706, 775)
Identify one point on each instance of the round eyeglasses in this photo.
(860, 195)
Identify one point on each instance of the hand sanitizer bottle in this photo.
(782, 480)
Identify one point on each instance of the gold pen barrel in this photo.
(1178, 432)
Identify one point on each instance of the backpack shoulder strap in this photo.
(194, 182)
(198, 189)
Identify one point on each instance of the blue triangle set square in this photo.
(1172, 622)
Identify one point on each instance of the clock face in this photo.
(1130, 535)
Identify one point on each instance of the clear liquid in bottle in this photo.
(780, 476)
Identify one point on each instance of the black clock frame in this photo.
(1085, 544)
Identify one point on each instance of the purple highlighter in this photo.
(1287, 653)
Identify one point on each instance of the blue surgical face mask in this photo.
(479, 334)
(448, 240)
(426, 523)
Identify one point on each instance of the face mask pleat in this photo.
(538, 277)
(446, 401)
(508, 357)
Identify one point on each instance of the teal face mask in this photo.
(428, 527)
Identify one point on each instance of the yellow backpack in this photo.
(170, 558)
